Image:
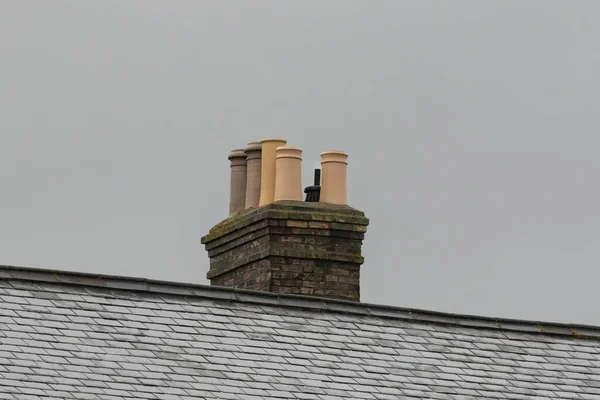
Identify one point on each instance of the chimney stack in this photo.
(287, 245)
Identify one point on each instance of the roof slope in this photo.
(65, 335)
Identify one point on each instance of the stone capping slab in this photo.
(163, 289)
(344, 217)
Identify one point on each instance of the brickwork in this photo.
(255, 276)
(290, 247)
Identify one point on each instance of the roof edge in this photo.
(289, 300)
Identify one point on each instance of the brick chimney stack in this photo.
(287, 245)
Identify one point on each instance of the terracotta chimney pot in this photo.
(268, 169)
(288, 181)
(237, 182)
(334, 164)
(253, 158)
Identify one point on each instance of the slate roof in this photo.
(65, 335)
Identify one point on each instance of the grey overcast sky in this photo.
(472, 129)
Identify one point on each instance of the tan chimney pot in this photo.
(268, 167)
(334, 164)
(288, 181)
(253, 158)
(237, 182)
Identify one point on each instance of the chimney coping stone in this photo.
(339, 216)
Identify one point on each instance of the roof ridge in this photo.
(138, 284)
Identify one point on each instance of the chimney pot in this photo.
(253, 158)
(268, 169)
(237, 182)
(333, 187)
(288, 177)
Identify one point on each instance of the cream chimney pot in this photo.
(268, 169)
(253, 172)
(288, 181)
(237, 188)
(333, 185)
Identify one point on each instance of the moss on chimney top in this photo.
(290, 210)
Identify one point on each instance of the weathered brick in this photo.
(319, 225)
(297, 224)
